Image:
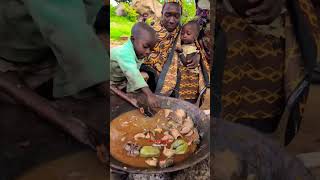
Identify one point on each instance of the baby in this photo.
(126, 61)
(189, 35)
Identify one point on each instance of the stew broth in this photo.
(124, 127)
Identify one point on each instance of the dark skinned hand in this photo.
(193, 61)
(153, 101)
(179, 50)
(266, 12)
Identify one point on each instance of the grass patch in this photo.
(120, 26)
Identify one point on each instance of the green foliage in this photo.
(119, 25)
(189, 11)
(131, 13)
(112, 11)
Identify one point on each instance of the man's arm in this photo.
(81, 57)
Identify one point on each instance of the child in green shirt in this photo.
(125, 61)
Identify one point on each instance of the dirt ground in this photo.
(114, 43)
(30, 147)
(308, 139)
(316, 173)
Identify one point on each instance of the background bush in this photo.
(121, 26)
(132, 14)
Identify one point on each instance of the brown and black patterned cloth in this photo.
(263, 66)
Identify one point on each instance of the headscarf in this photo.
(204, 4)
(203, 11)
(174, 1)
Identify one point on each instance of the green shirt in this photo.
(125, 65)
(32, 30)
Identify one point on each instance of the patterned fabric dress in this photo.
(263, 64)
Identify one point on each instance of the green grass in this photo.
(120, 26)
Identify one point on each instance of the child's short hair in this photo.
(139, 29)
(195, 25)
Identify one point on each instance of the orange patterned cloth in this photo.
(192, 81)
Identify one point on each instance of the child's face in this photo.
(188, 34)
(143, 45)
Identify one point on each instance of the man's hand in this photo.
(193, 61)
(266, 12)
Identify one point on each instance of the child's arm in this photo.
(77, 52)
(151, 98)
(128, 66)
(135, 80)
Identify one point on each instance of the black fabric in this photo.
(304, 36)
(217, 71)
(316, 75)
(101, 24)
(295, 117)
(153, 76)
(266, 126)
(176, 89)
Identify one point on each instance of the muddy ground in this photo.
(28, 142)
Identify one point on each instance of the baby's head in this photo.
(190, 32)
(143, 38)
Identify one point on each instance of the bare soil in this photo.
(308, 139)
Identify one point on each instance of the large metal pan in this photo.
(201, 121)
